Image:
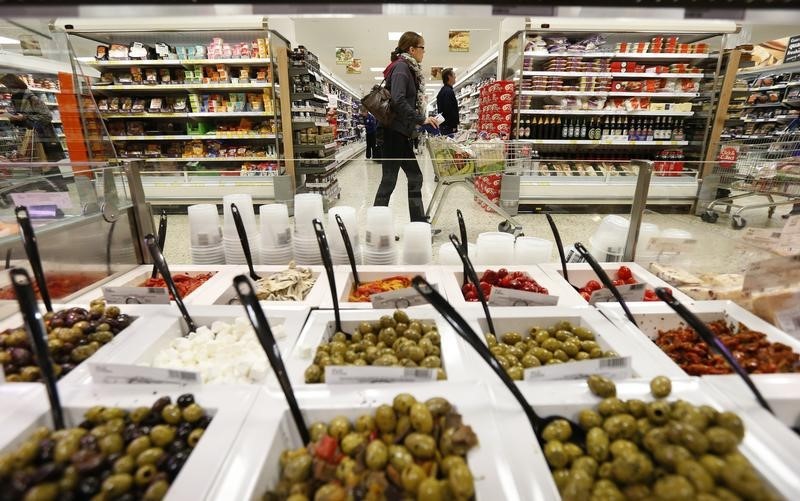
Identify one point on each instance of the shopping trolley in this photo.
(460, 161)
(768, 167)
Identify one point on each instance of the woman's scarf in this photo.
(417, 69)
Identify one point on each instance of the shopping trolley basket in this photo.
(460, 162)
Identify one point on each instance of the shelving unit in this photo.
(466, 89)
(593, 102)
(213, 116)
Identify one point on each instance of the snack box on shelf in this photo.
(167, 326)
(368, 273)
(269, 430)
(321, 326)
(645, 361)
(227, 406)
(653, 318)
(223, 293)
(581, 273)
(453, 278)
(139, 275)
(767, 450)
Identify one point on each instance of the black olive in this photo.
(128, 496)
(66, 496)
(21, 356)
(46, 449)
(67, 367)
(159, 404)
(57, 321)
(162, 461)
(177, 447)
(203, 422)
(47, 472)
(88, 442)
(151, 419)
(10, 369)
(89, 486)
(173, 467)
(131, 432)
(185, 400)
(87, 462)
(183, 431)
(87, 425)
(21, 480)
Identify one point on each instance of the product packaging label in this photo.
(400, 298)
(106, 373)
(633, 292)
(511, 297)
(135, 295)
(614, 368)
(342, 374)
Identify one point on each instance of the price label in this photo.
(139, 374)
(136, 295)
(632, 292)
(345, 374)
(667, 244)
(774, 272)
(614, 368)
(511, 297)
(400, 298)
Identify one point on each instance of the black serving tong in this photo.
(349, 248)
(603, 276)
(32, 251)
(248, 256)
(256, 315)
(470, 271)
(712, 340)
(325, 253)
(162, 237)
(37, 332)
(163, 268)
(560, 247)
(462, 230)
(463, 329)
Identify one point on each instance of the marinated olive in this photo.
(317, 430)
(340, 426)
(298, 468)
(462, 485)
(194, 437)
(421, 418)
(559, 429)
(149, 456)
(597, 444)
(351, 443)
(420, 445)
(555, 454)
(732, 423)
(721, 440)
(602, 386)
(385, 418)
(156, 491)
(377, 455)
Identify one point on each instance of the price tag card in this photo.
(347, 374)
(774, 272)
(400, 298)
(511, 297)
(136, 295)
(131, 374)
(667, 244)
(633, 292)
(614, 368)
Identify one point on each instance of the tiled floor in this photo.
(720, 248)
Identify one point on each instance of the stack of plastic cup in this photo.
(335, 240)
(276, 234)
(417, 247)
(495, 248)
(449, 256)
(379, 245)
(307, 207)
(608, 242)
(647, 232)
(230, 237)
(205, 235)
(532, 250)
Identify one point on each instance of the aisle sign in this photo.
(136, 295)
(351, 374)
(792, 53)
(632, 292)
(613, 368)
(512, 297)
(107, 373)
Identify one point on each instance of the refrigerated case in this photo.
(467, 89)
(593, 95)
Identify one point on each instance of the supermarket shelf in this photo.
(212, 159)
(305, 124)
(772, 87)
(546, 93)
(607, 142)
(50, 104)
(475, 94)
(606, 74)
(768, 105)
(617, 55)
(192, 136)
(585, 190)
(176, 62)
(312, 147)
(187, 189)
(609, 112)
(182, 87)
(300, 96)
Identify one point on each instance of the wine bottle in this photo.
(582, 133)
(556, 129)
(565, 130)
(603, 131)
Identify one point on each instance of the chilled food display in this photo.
(655, 450)
(74, 335)
(754, 352)
(112, 454)
(518, 280)
(223, 353)
(362, 293)
(623, 276)
(184, 282)
(561, 343)
(292, 284)
(392, 341)
(407, 450)
(59, 285)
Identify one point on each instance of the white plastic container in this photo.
(494, 248)
(417, 249)
(532, 250)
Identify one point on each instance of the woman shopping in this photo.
(405, 81)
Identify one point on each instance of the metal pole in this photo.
(637, 206)
(143, 215)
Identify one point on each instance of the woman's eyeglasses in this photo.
(420, 47)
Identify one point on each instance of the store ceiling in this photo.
(368, 36)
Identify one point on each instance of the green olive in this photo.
(65, 448)
(351, 443)
(194, 437)
(346, 471)
(637, 408)
(125, 464)
(621, 446)
(377, 455)
(399, 457)
(578, 485)
(145, 474)
(660, 386)
(156, 491)
(696, 474)
(420, 445)
(670, 455)
(587, 464)
(339, 427)
(138, 445)
(673, 487)
(421, 418)
(589, 419)
(602, 386)
(713, 465)
(620, 426)
(365, 423)
(118, 484)
(430, 490)
(298, 468)
(561, 477)
(171, 414)
(721, 440)
(162, 435)
(559, 429)
(149, 456)
(317, 430)
(555, 454)
(410, 478)
(111, 443)
(658, 412)
(731, 422)
(631, 468)
(42, 492)
(597, 444)
(461, 482)
(610, 406)
(192, 413)
(511, 337)
(385, 418)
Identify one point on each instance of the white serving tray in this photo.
(344, 281)
(141, 273)
(647, 361)
(580, 273)
(167, 325)
(321, 325)
(654, 317)
(13, 398)
(567, 398)
(229, 406)
(222, 292)
(453, 277)
(269, 429)
(781, 392)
